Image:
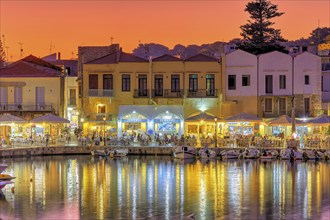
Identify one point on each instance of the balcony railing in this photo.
(203, 93)
(167, 93)
(141, 93)
(100, 92)
(26, 108)
(298, 114)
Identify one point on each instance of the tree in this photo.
(319, 35)
(258, 33)
(2, 55)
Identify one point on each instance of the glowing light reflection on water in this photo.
(160, 187)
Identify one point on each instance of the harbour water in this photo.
(160, 187)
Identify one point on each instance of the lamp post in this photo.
(104, 129)
(215, 133)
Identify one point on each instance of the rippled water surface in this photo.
(81, 187)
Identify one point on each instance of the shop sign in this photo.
(163, 120)
(134, 120)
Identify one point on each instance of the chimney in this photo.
(58, 56)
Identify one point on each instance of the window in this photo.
(268, 105)
(193, 82)
(269, 84)
(101, 109)
(210, 89)
(158, 85)
(175, 83)
(68, 71)
(246, 80)
(307, 106)
(143, 91)
(107, 82)
(72, 100)
(306, 79)
(231, 82)
(93, 81)
(322, 84)
(282, 106)
(126, 83)
(282, 82)
(18, 95)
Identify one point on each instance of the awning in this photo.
(8, 119)
(50, 118)
(322, 120)
(283, 120)
(243, 117)
(202, 116)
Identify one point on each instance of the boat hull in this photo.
(184, 155)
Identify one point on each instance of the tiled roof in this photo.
(127, 57)
(27, 69)
(201, 58)
(117, 57)
(40, 62)
(166, 57)
(72, 64)
(107, 59)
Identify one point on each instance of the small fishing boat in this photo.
(3, 167)
(250, 154)
(185, 152)
(100, 153)
(207, 154)
(4, 183)
(118, 153)
(6, 177)
(230, 154)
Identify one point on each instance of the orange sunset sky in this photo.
(68, 24)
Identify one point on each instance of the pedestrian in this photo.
(47, 139)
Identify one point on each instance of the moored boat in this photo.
(207, 153)
(100, 153)
(6, 177)
(4, 183)
(118, 153)
(230, 154)
(185, 152)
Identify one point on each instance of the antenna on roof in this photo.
(21, 50)
(51, 47)
(72, 55)
(111, 39)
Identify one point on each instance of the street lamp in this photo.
(215, 133)
(104, 129)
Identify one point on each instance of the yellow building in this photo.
(29, 88)
(125, 93)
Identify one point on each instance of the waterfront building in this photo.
(30, 87)
(70, 87)
(125, 93)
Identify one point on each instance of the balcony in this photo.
(203, 93)
(100, 92)
(298, 114)
(167, 93)
(141, 93)
(26, 108)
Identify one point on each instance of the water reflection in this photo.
(161, 187)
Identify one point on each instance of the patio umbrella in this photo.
(322, 120)
(8, 119)
(283, 120)
(50, 118)
(243, 117)
(203, 116)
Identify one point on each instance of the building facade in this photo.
(124, 93)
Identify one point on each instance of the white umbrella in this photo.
(50, 118)
(8, 119)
